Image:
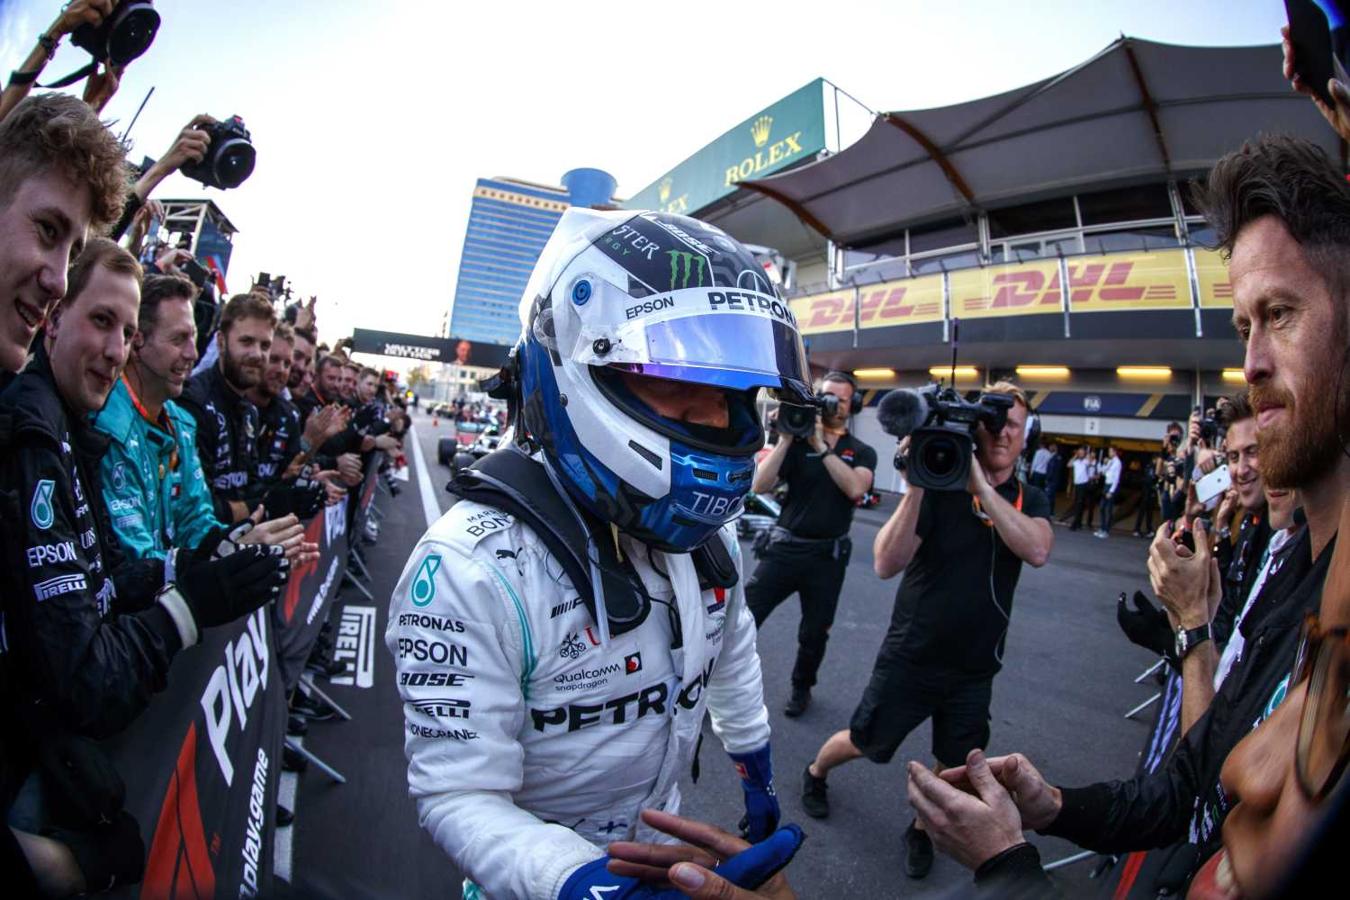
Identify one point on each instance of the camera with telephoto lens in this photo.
(941, 427)
(799, 419)
(229, 160)
(126, 33)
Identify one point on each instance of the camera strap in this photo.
(68, 80)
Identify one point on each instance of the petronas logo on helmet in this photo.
(683, 266)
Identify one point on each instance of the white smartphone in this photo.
(1209, 489)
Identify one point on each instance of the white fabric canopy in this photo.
(1136, 112)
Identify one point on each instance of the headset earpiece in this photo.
(855, 405)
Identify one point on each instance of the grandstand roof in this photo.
(1136, 112)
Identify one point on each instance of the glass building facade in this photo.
(509, 223)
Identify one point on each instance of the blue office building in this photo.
(509, 223)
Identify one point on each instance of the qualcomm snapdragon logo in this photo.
(424, 584)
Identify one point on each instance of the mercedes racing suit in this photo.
(531, 744)
(82, 646)
(227, 428)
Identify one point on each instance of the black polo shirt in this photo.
(949, 612)
(816, 507)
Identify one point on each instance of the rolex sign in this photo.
(789, 132)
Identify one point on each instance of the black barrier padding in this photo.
(1135, 875)
(202, 765)
(309, 595)
(313, 587)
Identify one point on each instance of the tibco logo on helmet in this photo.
(664, 297)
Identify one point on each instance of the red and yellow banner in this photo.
(1026, 289)
(1129, 281)
(906, 302)
(821, 313)
(1216, 291)
(1114, 282)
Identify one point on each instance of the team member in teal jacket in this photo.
(153, 484)
(152, 480)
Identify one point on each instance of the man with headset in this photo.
(962, 553)
(809, 547)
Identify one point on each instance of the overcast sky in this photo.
(373, 119)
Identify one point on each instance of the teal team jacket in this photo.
(152, 512)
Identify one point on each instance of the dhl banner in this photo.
(820, 313)
(1212, 273)
(1118, 281)
(909, 301)
(1130, 281)
(1026, 289)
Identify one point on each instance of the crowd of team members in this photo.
(142, 503)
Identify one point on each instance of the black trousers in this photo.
(816, 572)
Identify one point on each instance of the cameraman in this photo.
(962, 553)
(809, 547)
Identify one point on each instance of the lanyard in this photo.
(164, 424)
(983, 516)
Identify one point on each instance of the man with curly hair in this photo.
(62, 174)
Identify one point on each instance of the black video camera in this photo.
(941, 445)
(1209, 426)
(229, 160)
(125, 34)
(799, 419)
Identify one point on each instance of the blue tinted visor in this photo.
(730, 350)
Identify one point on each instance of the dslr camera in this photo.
(799, 419)
(229, 160)
(125, 34)
(941, 427)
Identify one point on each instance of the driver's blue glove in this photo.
(748, 869)
(761, 803)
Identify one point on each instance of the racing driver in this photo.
(560, 631)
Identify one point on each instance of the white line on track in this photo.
(430, 508)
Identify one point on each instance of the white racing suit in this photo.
(530, 743)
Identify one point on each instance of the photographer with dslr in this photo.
(113, 32)
(827, 470)
(961, 552)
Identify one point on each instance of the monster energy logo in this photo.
(424, 585)
(682, 267)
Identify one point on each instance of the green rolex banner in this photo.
(788, 132)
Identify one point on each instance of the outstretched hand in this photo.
(969, 826)
(688, 866)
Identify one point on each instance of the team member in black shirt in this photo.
(962, 553)
(809, 548)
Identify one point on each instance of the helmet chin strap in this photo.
(592, 552)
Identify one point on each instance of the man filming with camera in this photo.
(961, 552)
(827, 471)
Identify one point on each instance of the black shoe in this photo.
(325, 666)
(798, 702)
(918, 852)
(284, 816)
(292, 761)
(316, 710)
(815, 800)
(297, 726)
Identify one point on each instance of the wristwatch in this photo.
(1188, 639)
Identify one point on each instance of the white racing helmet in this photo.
(662, 296)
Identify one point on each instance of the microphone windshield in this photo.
(901, 411)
